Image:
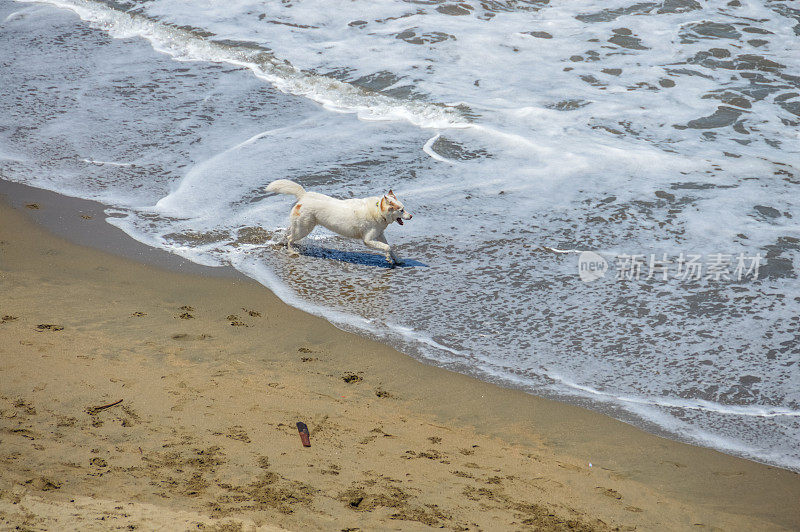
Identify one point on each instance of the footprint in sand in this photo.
(49, 327)
(236, 321)
(571, 467)
(186, 314)
(235, 433)
(608, 492)
(98, 462)
(728, 473)
(333, 469)
(43, 484)
(183, 337)
(26, 407)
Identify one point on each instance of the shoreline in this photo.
(56, 213)
(527, 450)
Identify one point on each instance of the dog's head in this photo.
(392, 209)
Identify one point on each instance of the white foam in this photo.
(334, 95)
(428, 148)
(15, 15)
(110, 163)
(697, 404)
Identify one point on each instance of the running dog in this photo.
(364, 219)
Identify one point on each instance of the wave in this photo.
(683, 404)
(188, 45)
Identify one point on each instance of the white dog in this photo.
(365, 218)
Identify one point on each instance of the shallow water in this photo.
(518, 133)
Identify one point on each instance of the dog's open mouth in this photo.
(400, 221)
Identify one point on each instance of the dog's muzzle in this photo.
(406, 215)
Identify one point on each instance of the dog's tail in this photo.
(284, 186)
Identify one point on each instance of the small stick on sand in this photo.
(96, 409)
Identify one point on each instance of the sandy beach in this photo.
(211, 373)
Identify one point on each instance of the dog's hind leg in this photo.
(300, 224)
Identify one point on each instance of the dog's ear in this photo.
(391, 194)
(383, 203)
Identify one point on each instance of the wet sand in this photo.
(214, 372)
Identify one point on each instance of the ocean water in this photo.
(519, 134)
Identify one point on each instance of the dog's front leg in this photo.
(392, 254)
(375, 243)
